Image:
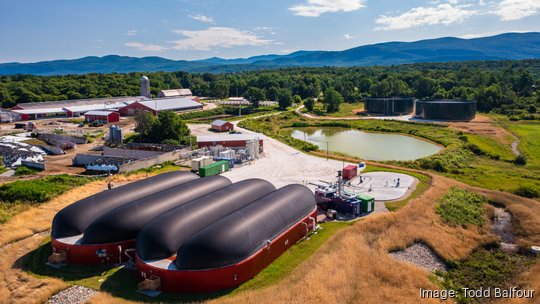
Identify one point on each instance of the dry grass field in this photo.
(24, 233)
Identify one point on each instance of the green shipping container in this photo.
(214, 169)
(368, 203)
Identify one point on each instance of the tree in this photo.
(285, 99)
(166, 128)
(255, 95)
(309, 103)
(332, 100)
(297, 99)
(220, 89)
(169, 126)
(144, 121)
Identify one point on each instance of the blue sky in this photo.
(35, 30)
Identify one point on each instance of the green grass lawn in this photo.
(492, 147)
(345, 110)
(121, 282)
(529, 145)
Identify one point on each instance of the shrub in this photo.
(23, 170)
(520, 160)
(39, 190)
(300, 124)
(526, 191)
(461, 207)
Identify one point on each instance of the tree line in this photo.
(507, 87)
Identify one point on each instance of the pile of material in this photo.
(421, 256)
(13, 151)
(73, 295)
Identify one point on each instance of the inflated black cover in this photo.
(389, 105)
(242, 233)
(75, 218)
(446, 109)
(164, 235)
(125, 222)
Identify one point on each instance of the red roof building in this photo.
(104, 116)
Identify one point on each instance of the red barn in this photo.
(222, 126)
(155, 105)
(230, 140)
(105, 116)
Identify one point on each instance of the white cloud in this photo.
(212, 37)
(509, 10)
(315, 8)
(348, 36)
(131, 33)
(488, 34)
(441, 14)
(146, 47)
(202, 18)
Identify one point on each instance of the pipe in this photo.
(307, 230)
(119, 254)
(313, 226)
(127, 253)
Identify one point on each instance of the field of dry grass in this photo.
(24, 233)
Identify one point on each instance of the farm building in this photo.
(71, 108)
(174, 93)
(103, 116)
(156, 105)
(194, 234)
(230, 140)
(222, 126)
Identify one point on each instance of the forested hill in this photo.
(506, 87)
(510, 46)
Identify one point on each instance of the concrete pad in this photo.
(382, 184)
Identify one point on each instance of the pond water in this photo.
(370, 146)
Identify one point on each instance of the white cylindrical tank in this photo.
(145, 86)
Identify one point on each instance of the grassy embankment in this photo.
(345, 110)
(475, 159)
(120, 282)
(21, 195)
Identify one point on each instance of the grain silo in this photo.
(145, 87)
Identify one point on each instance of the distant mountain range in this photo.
(510, 46)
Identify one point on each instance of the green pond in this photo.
(370, 146)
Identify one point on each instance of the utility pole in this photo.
(326, 150)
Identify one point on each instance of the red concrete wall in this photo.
(111, 253)
(204, 281)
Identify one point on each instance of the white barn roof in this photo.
(171, 104)
(40, 111)
(175, 93)
(98, 113)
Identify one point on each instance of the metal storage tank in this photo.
(446, 109)
(235, 248)
(125, 222)
(75, 218)
(164, 235)
(389, 105)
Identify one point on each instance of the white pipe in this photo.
(120, 254)
(312, 219)
(307, 229)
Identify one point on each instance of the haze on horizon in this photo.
(33, 30)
